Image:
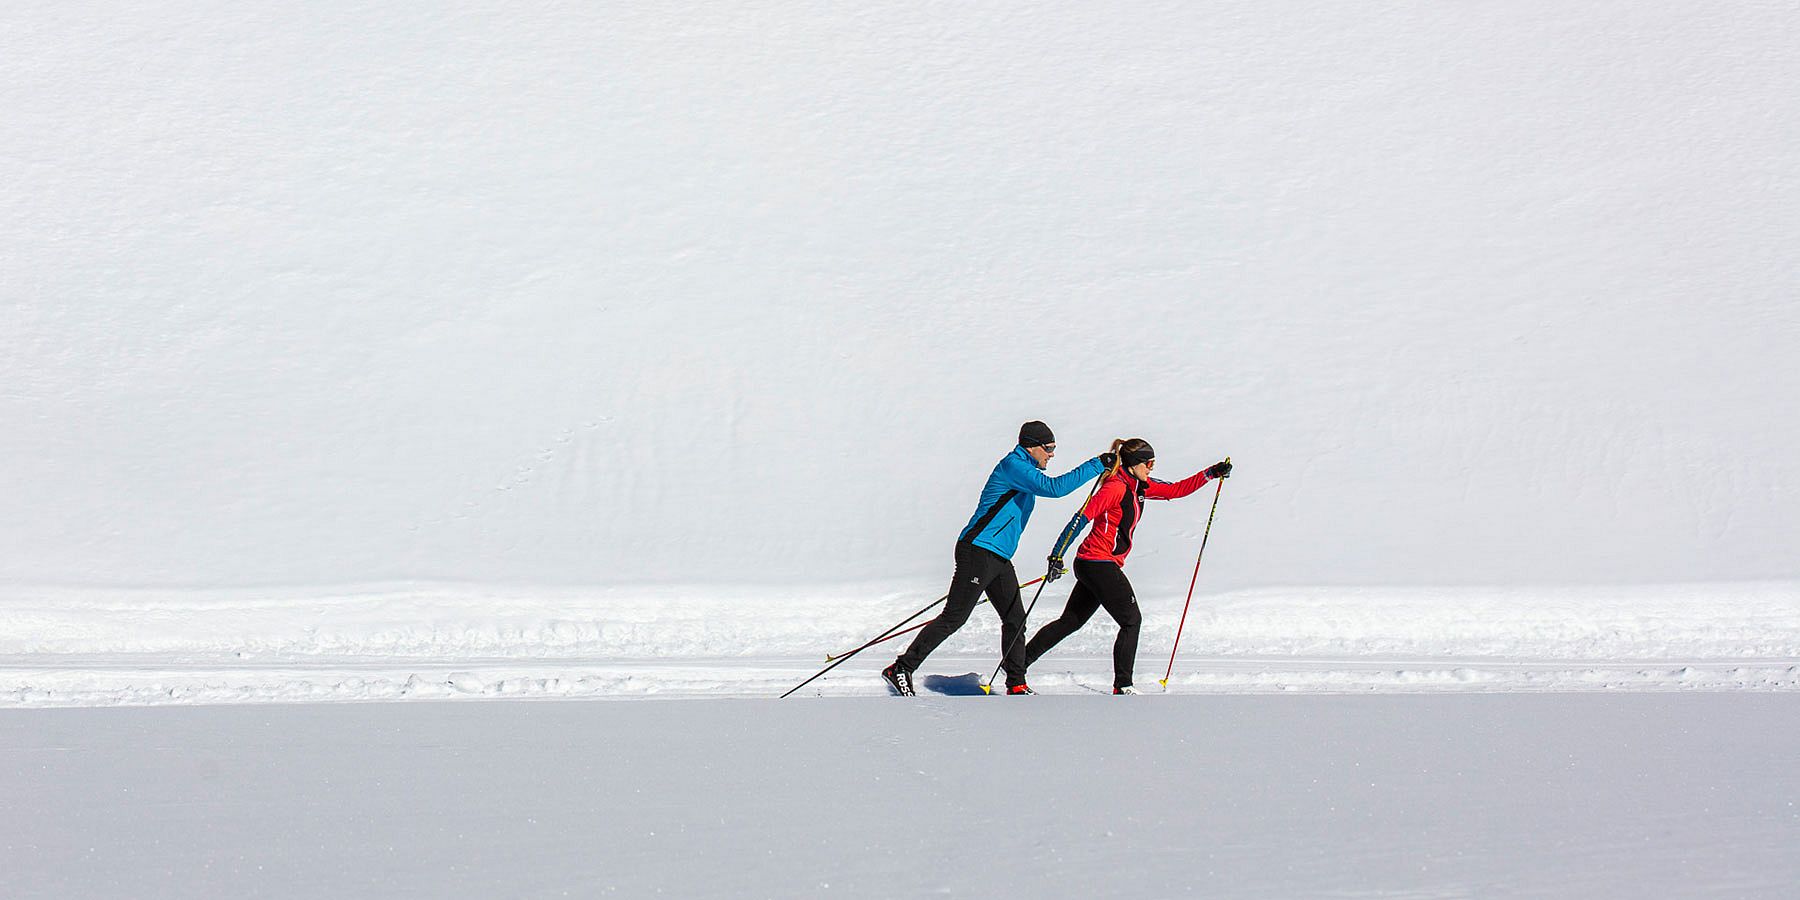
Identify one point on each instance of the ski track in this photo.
(62, 647)
(119, 682)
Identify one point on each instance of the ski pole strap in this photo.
(974, 531)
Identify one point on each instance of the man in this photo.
(984, 555)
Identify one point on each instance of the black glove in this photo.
(1056, 570)
(1107, 459)
(1219, 470)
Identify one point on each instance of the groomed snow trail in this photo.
(1574, 795)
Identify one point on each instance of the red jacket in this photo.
(1116, 507)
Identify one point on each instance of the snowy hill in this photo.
(592, 296)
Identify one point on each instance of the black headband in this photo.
(1142, 454)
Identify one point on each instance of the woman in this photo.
(1099, 566)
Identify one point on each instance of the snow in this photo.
(586, 295)
(366, 360)
(1601, 797)
(86, 647)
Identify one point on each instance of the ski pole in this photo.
(882, 640)
(988, 688)
(883, 636)
(1195, 580)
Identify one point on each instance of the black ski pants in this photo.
(978, 570)
(1097, 584)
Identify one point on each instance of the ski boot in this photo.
(899, 678)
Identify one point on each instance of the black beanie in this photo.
(1035, 434)
(1143, 454)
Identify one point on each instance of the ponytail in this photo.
(1114, 468)
(1120, 447)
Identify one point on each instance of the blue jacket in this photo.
(1018, 476)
